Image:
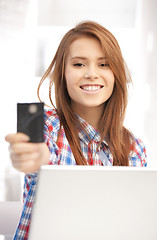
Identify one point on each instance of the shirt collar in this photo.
(89, 133)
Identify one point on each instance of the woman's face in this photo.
(89, 79)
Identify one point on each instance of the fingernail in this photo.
(27, 138)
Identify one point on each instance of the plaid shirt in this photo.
(61, 154)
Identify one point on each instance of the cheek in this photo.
(111, 78)
(72, 77)
(110, 83)
(113, 82)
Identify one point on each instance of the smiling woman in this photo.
(86, 127)
(89, 79)
(90, 54)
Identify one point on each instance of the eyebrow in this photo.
(84, 58)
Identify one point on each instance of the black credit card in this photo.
(30, 120)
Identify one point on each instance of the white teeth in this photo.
(91, 88)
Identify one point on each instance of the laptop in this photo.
(95, 203)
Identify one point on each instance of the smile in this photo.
(91, 88)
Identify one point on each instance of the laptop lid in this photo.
(95, 203)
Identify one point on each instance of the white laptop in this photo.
(95, 203)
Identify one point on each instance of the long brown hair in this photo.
(118, 137)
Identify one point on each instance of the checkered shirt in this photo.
(61, 154)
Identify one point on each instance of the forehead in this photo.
(85, 46)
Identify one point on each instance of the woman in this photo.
(86, 127)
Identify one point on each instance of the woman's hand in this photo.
(27, 157)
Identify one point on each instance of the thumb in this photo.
(17, 137)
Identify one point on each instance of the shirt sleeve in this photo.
(138, 156)
(30, 181)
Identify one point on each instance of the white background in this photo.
(30, 32)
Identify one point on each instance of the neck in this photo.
(91, 115)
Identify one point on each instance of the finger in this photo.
(17, 137)
(18, 148)
(23, 158)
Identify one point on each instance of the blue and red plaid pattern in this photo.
(61, 154)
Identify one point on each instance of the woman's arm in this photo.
(25, 156)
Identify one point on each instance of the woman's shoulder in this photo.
(138, 144)
(138, 156)
(50, 112)
(51, 119)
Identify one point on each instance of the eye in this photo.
(78, 64)
(104, 65)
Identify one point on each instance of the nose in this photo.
(91, 73)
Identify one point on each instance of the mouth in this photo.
(91, 88)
